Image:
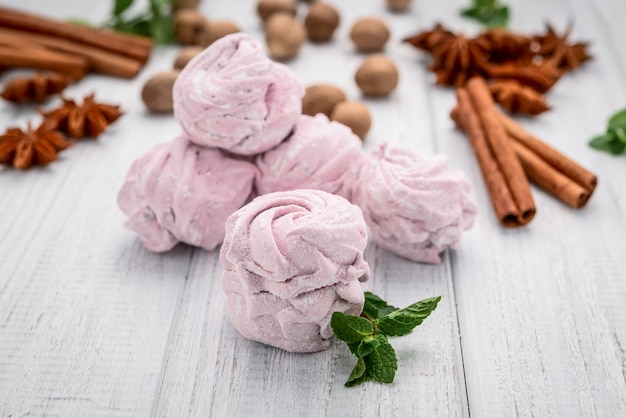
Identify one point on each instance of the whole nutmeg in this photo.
(284, 35)
(354, 115)
(215, 30)
(321, 22)
(369, 34)
(185, 4)
(399, 5)
(187, 24)
(157, 92)
(185, 55)
(266, 8)
(377, 75)
(321, 98)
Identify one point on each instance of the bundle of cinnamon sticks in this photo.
(31, 41)
(509, 157)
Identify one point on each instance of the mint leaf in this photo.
(618, 120)
(120, 6)
(375, 307)
(382, 363)
(366, 346)
(403, 321)
(608, 142)
(488, 12)
(358, 374)
(349, 328)
(366, 337)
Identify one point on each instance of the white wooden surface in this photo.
(532, 321)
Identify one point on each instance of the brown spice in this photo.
(36, 88)
(571, 56)
(429, 40)
(517, 98)
(78, 121)
(23, 149)
(458, 58)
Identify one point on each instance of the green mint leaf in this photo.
(403, 321)
(137, 26)
(162, 29)
(618, 120)
(609, 143)
(382, 363)
(349, 328)
(120, 6)
(366, 346)
(375, 307)
(488, 12)
(358, 374)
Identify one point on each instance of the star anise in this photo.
(506, 46)
(517, 98)
(570, 56)
(22, 149)
(457, 59)
(540, 76)
(428, 40)
(36, 88)
(78, 121)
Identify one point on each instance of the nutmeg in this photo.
(399, 5)
(185, 55)
(157, 92)
(187, 24)
(369, 34)
(284, 35)
(215, 30)
(266, 8)
(377, 75)
(321, 22)
(354, 115)
(321, 98)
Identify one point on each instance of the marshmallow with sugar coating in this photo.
(232, 96)
(414, 206)
(181, 192)
(290, 260)
(319, 154)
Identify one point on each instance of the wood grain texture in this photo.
(532, 321)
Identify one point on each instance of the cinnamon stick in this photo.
(499, 193)
(565, 165)
(549, 179)
(42, 59)
(502, 150)
(98, 60)
(127, 45)
(541, 172)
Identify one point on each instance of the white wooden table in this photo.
(532, 321)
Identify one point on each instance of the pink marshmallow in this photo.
(319, 154)
(414, 206)
(232, 96)
(181, 192)
(290, 260)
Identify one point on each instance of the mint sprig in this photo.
(488, 12)
(366, 335)
(613, 140)
(155, 21)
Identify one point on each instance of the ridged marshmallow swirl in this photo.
(414, 206)
(290, 260)
(319, 154)
(232, 96)
(181, 192)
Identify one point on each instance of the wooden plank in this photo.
(541, 334)
(212, 371)
(85, 310)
